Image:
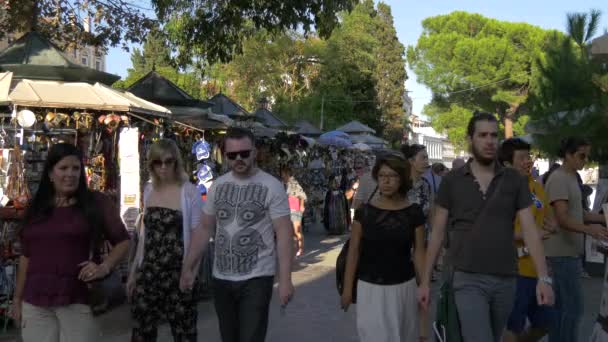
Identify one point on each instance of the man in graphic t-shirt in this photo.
(246, 208)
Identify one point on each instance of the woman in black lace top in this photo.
(384, 233)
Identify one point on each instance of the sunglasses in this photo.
(243, 154)
(582, 156)
(166, 162)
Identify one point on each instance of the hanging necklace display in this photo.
(3, 135)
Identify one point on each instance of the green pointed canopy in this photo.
(34, 57)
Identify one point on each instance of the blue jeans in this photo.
(568, 291)
(526, 308)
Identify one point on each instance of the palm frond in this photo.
(575, 25)
(593, 24)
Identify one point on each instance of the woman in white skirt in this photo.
(384, 233)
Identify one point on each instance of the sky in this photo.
(408, 15)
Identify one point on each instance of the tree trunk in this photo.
(510, 116)
(508, 126)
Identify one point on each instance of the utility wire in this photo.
(476, 87)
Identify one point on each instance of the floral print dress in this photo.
(157, 294)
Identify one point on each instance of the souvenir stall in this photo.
(104, 123)
(193, 126)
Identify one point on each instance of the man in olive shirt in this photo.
(480, 201)
(565, 247)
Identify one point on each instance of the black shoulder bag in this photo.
(341, 260)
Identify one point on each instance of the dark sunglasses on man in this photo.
(243, 154)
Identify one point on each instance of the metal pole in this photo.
(322, 108)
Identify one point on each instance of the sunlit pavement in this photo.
(314, 313)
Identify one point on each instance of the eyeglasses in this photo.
(167, 162)
(243, 154)
(390, 177)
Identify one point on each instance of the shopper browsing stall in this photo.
(297, 198)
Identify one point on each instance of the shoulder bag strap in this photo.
(450, 274)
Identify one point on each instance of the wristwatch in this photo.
(547, 280)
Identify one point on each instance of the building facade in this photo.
(438, 147)
(88, 56)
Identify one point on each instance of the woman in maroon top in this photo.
(62, 223)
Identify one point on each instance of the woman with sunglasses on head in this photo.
(384, 233)
(172, 210)
(64, 227)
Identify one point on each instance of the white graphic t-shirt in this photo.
(244, 238)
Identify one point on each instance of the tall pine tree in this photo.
(390, 75)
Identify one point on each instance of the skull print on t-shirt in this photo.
(244, 209)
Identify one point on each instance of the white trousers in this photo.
(70, 323)
(387, 313)
(598, 335)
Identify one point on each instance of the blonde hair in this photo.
(161, 148)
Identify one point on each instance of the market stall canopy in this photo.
(268, 118)
(184, 108)
(355, 127)
(158, 89)
(370, 140)
(304, 127)
(335, 138)
(224, 105)
(361, 147)
(5, 85)
(77, 95)
(258, 130)
(34, 57)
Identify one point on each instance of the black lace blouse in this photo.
(386, 245)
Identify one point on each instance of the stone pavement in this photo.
(313, 315)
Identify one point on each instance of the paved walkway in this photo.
(313, 315)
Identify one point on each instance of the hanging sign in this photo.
(130, 190)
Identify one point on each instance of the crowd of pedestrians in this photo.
(508, 245)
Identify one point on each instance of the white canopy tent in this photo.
(54, 94)
(5, 85)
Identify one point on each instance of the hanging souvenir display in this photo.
(96, 173)
(202, 151)
(17, 189)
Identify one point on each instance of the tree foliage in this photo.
(280, 67)
(571, 92)
(155, 55)
(357, 73)
(114, 22)
(205, 31)
(214, 30)
(471, 62)
(390, 75)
